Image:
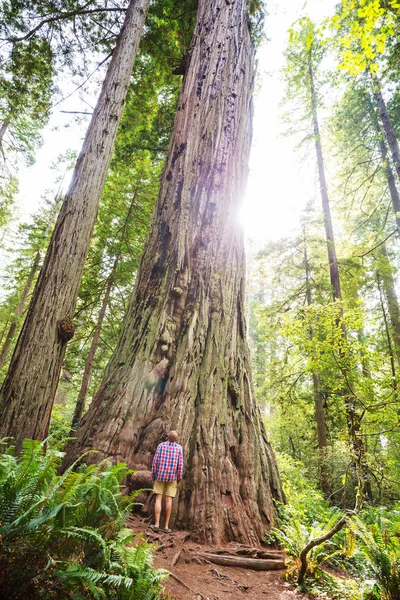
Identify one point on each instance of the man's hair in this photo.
(172, 436)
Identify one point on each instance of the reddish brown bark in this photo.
(27, 394)
(182, 360)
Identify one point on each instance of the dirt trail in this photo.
(195, 579)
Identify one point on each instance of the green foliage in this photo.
(379, 537)
(64, 536)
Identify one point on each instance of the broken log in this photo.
(258, 564)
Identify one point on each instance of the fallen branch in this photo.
(317, 542)
(258, 564)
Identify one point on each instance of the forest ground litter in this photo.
(178, 554)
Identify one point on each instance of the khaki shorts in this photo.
(167, 487)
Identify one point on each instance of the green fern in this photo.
(64, 536)
(381, 548)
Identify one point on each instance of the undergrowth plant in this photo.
(64, 536)
(380, 545)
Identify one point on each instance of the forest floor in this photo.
(193, 578)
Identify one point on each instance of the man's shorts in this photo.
(165, 487)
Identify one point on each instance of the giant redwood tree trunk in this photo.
(26, 397)
(182, 360)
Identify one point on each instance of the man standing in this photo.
(166, 471)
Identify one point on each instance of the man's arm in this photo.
(154, 466)
(179, 473)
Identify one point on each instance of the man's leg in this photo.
(157, 510)
(168, 508)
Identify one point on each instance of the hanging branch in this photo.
(60, 17)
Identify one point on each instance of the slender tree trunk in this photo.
(388, 336)
(182, 360)
(19, 310)
(3, 129)
(389, 290)
(318, 398)
(330, 238)
(386, 123)
(394, 193)
(27, 394)
(352, 414)
(80, 403)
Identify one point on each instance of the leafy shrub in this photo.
(64, 536)
(381, 548)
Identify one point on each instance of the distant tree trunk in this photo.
(318, 398)
(3, 129)
(389, 290)
(80, 403)
(182, 360)
(19, 310)
(27, 394)
(394, 194)
(350, 400)
(388, 336)
(386, 123)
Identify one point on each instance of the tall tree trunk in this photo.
(394, 193)
(3, 129)
(388, 336)
(350, 401)
(318, 398)
(386, 123)
(330, 238)
(80, 403)
(27, 394)
(182, 360)
(19, 310)
(389, 290)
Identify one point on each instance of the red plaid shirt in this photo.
(168, 462)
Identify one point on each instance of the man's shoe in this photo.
(167, 530)
(154, 528)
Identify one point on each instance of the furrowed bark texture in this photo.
(26, 397)
(182, 360)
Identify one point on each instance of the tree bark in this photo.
(386, 123)
(27, 394)
(182, 360)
